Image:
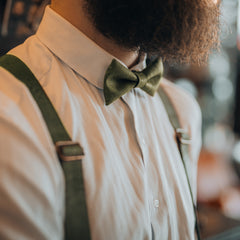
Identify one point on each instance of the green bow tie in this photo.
(119, 80)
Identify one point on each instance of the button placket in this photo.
(129, 101)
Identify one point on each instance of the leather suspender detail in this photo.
(183, 141)
(69, 153)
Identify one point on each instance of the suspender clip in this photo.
(69, 151)
(182, 136)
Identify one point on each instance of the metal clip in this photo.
(182, 136)
(69, 150)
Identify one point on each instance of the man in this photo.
(136, 186)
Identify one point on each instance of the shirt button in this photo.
(143, 142)
(156, 203)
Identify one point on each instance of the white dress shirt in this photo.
(134, 176)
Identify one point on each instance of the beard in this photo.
(179, 31)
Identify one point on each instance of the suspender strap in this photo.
(69, 153)
(183, 142)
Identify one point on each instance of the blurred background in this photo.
(216, 87)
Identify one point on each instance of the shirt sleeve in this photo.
(31, 181)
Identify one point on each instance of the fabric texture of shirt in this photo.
(133, 173)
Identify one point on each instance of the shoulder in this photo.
(186, 106)
(35, 55)
(14, 95)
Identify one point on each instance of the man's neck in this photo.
(73, 12)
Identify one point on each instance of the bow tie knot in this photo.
(141, 79)
(118, 79)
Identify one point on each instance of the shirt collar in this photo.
(75, 49)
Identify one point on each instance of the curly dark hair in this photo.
(180, 31)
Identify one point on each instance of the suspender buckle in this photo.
(69, 151)
(182, 136)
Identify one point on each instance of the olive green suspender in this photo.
(71, 154)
